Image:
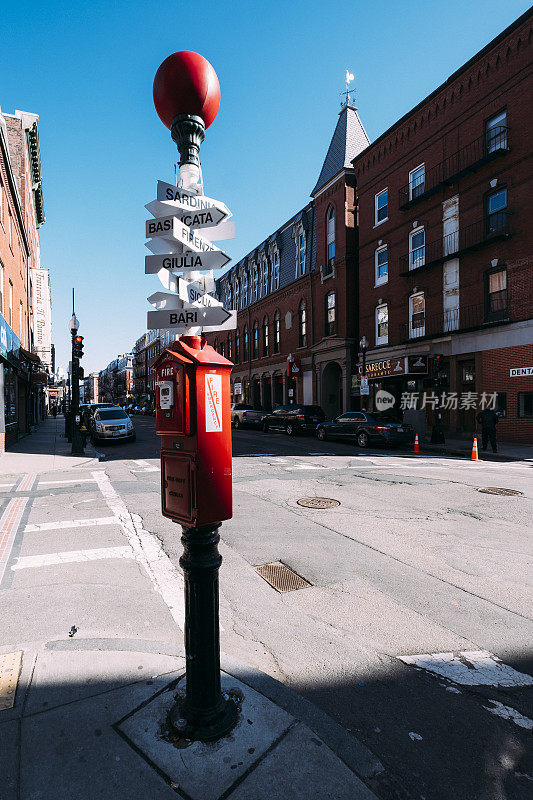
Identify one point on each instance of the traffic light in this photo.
(78, 347)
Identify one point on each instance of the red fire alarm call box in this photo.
(194, 421)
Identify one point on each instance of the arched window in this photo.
(331, 327)
(215, 344)
(256, 283)
(301, 253)
(255, 341)
(245, 289)
(277, 332)
(223, 349)
(275, 270)
(265, 337)
(330, 240)
(245, 344)
(230, 347)
(265, 276)
(237, 346)
(237, 293)
(302, 327)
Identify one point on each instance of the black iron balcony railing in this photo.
(469, 158)
(495, 311)
(470, 237)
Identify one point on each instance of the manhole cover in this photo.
(497, 490)
(281, 577)
(318, 502)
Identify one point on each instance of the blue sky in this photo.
(87, 70)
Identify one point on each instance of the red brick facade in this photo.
(463, 289)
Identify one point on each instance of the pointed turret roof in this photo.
(348, 140)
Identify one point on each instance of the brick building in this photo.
(296, 294)
(445, 244)
(22, 379)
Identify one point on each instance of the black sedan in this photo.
(365, 428)
(293, 419)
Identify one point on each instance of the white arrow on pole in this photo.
(172, 228)
(189, 317)
(209, 217)
(166, 300)
(215, 259)
(167, 192)
(195, 294)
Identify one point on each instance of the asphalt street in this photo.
(415, 630)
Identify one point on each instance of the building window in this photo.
(382, 265)
(330, 240)
(496, 133)
(497, 212)
(277, 334)
(215, 344)
(230, 347)
(417, 315)
(301, 253)
(265, 277)
(496, 294)
(21, 318)
(10, 224)
(265, 337)
(417, 178)
(255, 342)
(10, 318)
(1, 202)
(275, 270)
(245, 344)
(417, 248)
(330, 328)
(2, 271)
(237, 347)
(382, 324)
(256, 280)
(245, 289)
(237, 293)
(381, 201)
(302, 329)
(525, 405)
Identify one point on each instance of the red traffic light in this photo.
(79, 339)
(186, 83)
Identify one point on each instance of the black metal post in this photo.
(76, 435)
(363, 403)
(205, 713)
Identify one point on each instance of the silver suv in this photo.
(111, 423)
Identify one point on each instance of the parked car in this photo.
(91, 408)
(111, 423)
(237, 410)
(293, 419)
(365, 428)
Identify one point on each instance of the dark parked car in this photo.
(365, 428)
(293, 419)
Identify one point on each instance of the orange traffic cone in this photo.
(474, 456)
(416, 448)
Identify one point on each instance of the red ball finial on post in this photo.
(187, 99)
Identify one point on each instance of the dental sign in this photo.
(181, 233)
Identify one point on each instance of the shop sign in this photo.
(9, 343)
(237, 388)
(416, 365)
(518, 372)
(389, 367)
(293, 367)
(356, 384)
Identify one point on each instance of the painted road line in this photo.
(506, 712)
(71, 523)
(9, 525)
(72, 557)
(26, 482)
(469, 668)
(73, 480)
(166, 580)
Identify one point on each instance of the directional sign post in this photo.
(188, 317)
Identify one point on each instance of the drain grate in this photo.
(318, 502)
(497, 490)
(10, 666)
(281, 577)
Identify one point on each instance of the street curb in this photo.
(496, 457)
(342, 743)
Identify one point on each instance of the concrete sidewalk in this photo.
(44, 450)
(507, 451)
(91, 658)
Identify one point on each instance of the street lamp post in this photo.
(187, 98)
(363, 347)
(75, 433)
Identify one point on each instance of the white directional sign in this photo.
(195, 218)
(190, 317)
(168, 192)
(166, 300)
(171, 228)
(214, 259)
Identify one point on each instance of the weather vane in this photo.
(349, 78)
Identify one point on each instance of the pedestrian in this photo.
(488, 420)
